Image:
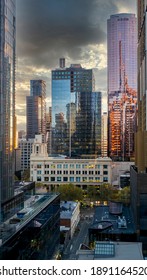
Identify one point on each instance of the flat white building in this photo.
(59, 170)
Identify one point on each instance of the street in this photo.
(80, 237)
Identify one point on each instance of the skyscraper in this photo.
(138, 178)
(7, 99)
(122, 85)
(36, 108)
(76, 112)
(141, 148)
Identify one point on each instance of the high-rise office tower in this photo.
(7, 99)
(122, 85)
(76, 112)
(36, 108)
(138, 175)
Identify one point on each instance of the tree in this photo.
(92, 192)
(26, 175)
(70, 192)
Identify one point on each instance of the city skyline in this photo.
(44, 35)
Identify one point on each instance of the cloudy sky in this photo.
(50, 29)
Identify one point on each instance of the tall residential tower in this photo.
(7, 99)
(122, 85)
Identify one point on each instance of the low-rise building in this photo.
(112, 223)
(63, 170)
(69, 216)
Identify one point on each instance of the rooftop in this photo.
(67, 208)
(112, 251)
(32, 206)
(115, 219)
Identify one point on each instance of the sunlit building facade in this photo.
(7, 103)
(122, 85)
(76, 112)
(104, 137)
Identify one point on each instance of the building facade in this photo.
(26, 149)
(122, 85)
(138, 176)
(58, 170)
(104, 138)
(69, 216)
(76, 112)
(36, 108)
(7, 93)
(34, 231)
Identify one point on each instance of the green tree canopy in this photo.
(70, 192)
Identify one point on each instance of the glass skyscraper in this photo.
(122, 85)
(7, 98)
(76, 112)
(36, 108)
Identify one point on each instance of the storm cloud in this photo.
(74, 29)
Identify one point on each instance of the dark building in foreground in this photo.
(112, 223)
(34, 232)
(7, 99)
(138, 175)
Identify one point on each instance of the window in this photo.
(78, 165)
(65, 179)
(59, 165)
(105, 172)
(46, 179)
(84, 179)
(71, 179)
(52, 179)
(59, 172)
(38, 171)
(84, 165)
(71, 165)
(52, 172)
(78, 172)
(65, 172)
(39, 179)
(105, 179)
(91, 172)
(58, 179)
(38, 165)
(105, 166)
(71, 172)
(65, 165)
(97, 178)
(78, 179)
(97, 172)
